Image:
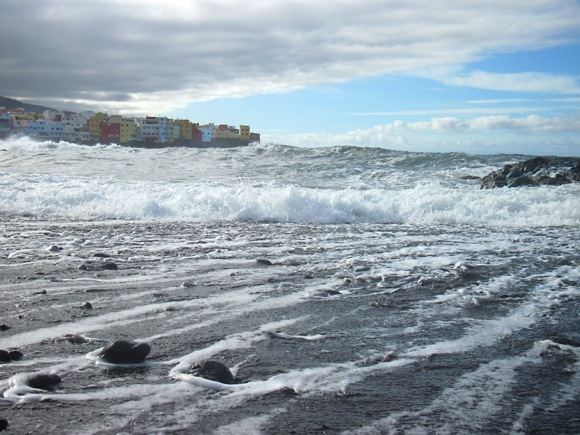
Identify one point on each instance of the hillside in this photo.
(10, 103)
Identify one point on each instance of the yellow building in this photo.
(23, 119)
(185, 129)
(224, 131)
(245, 131)
(115, 119)
(128, 131)
(94, 124)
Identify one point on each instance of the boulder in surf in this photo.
(214, 371)
(125, 352)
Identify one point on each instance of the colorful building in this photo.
(245, 132)
(185, 129)
(110, 132)
(207, 132)
(94, 125)
(89, 127)
(129, 130)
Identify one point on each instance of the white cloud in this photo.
(145, 55)
(513, 82)
(452, 111)
(418, 134)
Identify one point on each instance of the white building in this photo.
(207, 132)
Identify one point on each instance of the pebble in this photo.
(125, 352)
(44, 381)
(109, 265)
(214, 371)
(4, 327)
(12, 355)
(264, 262)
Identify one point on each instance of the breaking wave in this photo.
(269, 183)
(82, 197)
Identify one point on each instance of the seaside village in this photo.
(92, 128)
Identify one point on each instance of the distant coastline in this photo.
(91, 128)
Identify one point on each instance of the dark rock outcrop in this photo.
(551, 171)
(214, 371)
(125, 352)
(566, 341)
(3, 424)
(4, 327)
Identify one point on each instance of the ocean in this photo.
(349, 290)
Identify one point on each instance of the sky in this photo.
(453, 75)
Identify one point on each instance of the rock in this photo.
(4, 327)
(467, 272)
(3, 424)
(43, 381)
(125, 352)
(551, 171)
(4, 356)
(469, 177)
(75, 339)
(566, 341)
(10, 355)
(101, 255)
(214, 371)
(15, 355)
(87, 306)
(41, 292)
(54, 248)
(264, 262)
(89, 266)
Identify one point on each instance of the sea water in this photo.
(400, 297)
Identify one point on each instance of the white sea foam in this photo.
(79, 197)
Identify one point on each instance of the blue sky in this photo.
(451, 75)
(321, 114)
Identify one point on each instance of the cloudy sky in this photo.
(451, 75)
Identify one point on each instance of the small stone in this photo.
(90, 266)
(4, 327)
(214, 371)
(75, 339)
(87, 306)
(15, 355)
(264, 262)
(41, 292)
(109, 266)
(54, 248)
(4, 356)
(125, 352)
(44, 381)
